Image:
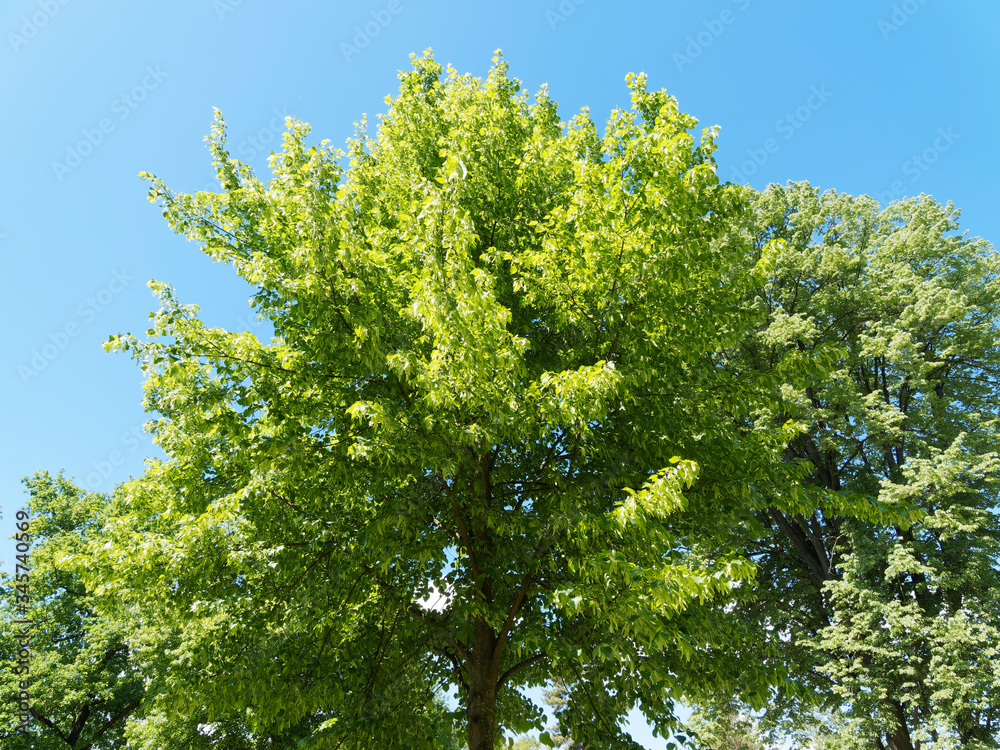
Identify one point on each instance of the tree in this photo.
(893, 623)
(83, 680)
(557, 699)
(486, 439)
(90, 663)
(726, 728)
(526, 743)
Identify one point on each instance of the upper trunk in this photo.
(900, 738)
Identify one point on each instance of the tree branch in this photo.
(126, 711)
(504, 635)
(519, 666)
(466, 539)
(47, 722)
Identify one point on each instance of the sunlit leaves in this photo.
(491, 326)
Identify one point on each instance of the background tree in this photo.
(91, 662)
(726, 728)
(526, 742)
(557, 699)
(84, 682)
(895, 624)
(491, 378)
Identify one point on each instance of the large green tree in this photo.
(487, 437)
(895, 624)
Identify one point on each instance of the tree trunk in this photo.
(481, 706)
(899, 739)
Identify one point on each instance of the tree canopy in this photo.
(893, 623)
(96, 669)
(83, 682)
(488, 439)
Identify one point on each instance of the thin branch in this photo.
(459, 677)
(517, 604)
(126, 711)
(463, 652)
(466, 539)
(47, 722)
(448, 532)
(286, 501)
(590, 700)
(519, 666)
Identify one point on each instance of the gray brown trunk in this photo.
(899, 739)
(481, 707)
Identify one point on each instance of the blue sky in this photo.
(864, 96)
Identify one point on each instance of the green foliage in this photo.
(725, 729)
(557, 697)
(542, 406)
(156, 730)
(525, 742)
(890, 617)
(91, 661)
(83, 679)
(493, 384)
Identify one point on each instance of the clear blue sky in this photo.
(864, 96)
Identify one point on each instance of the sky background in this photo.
(887, 98)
